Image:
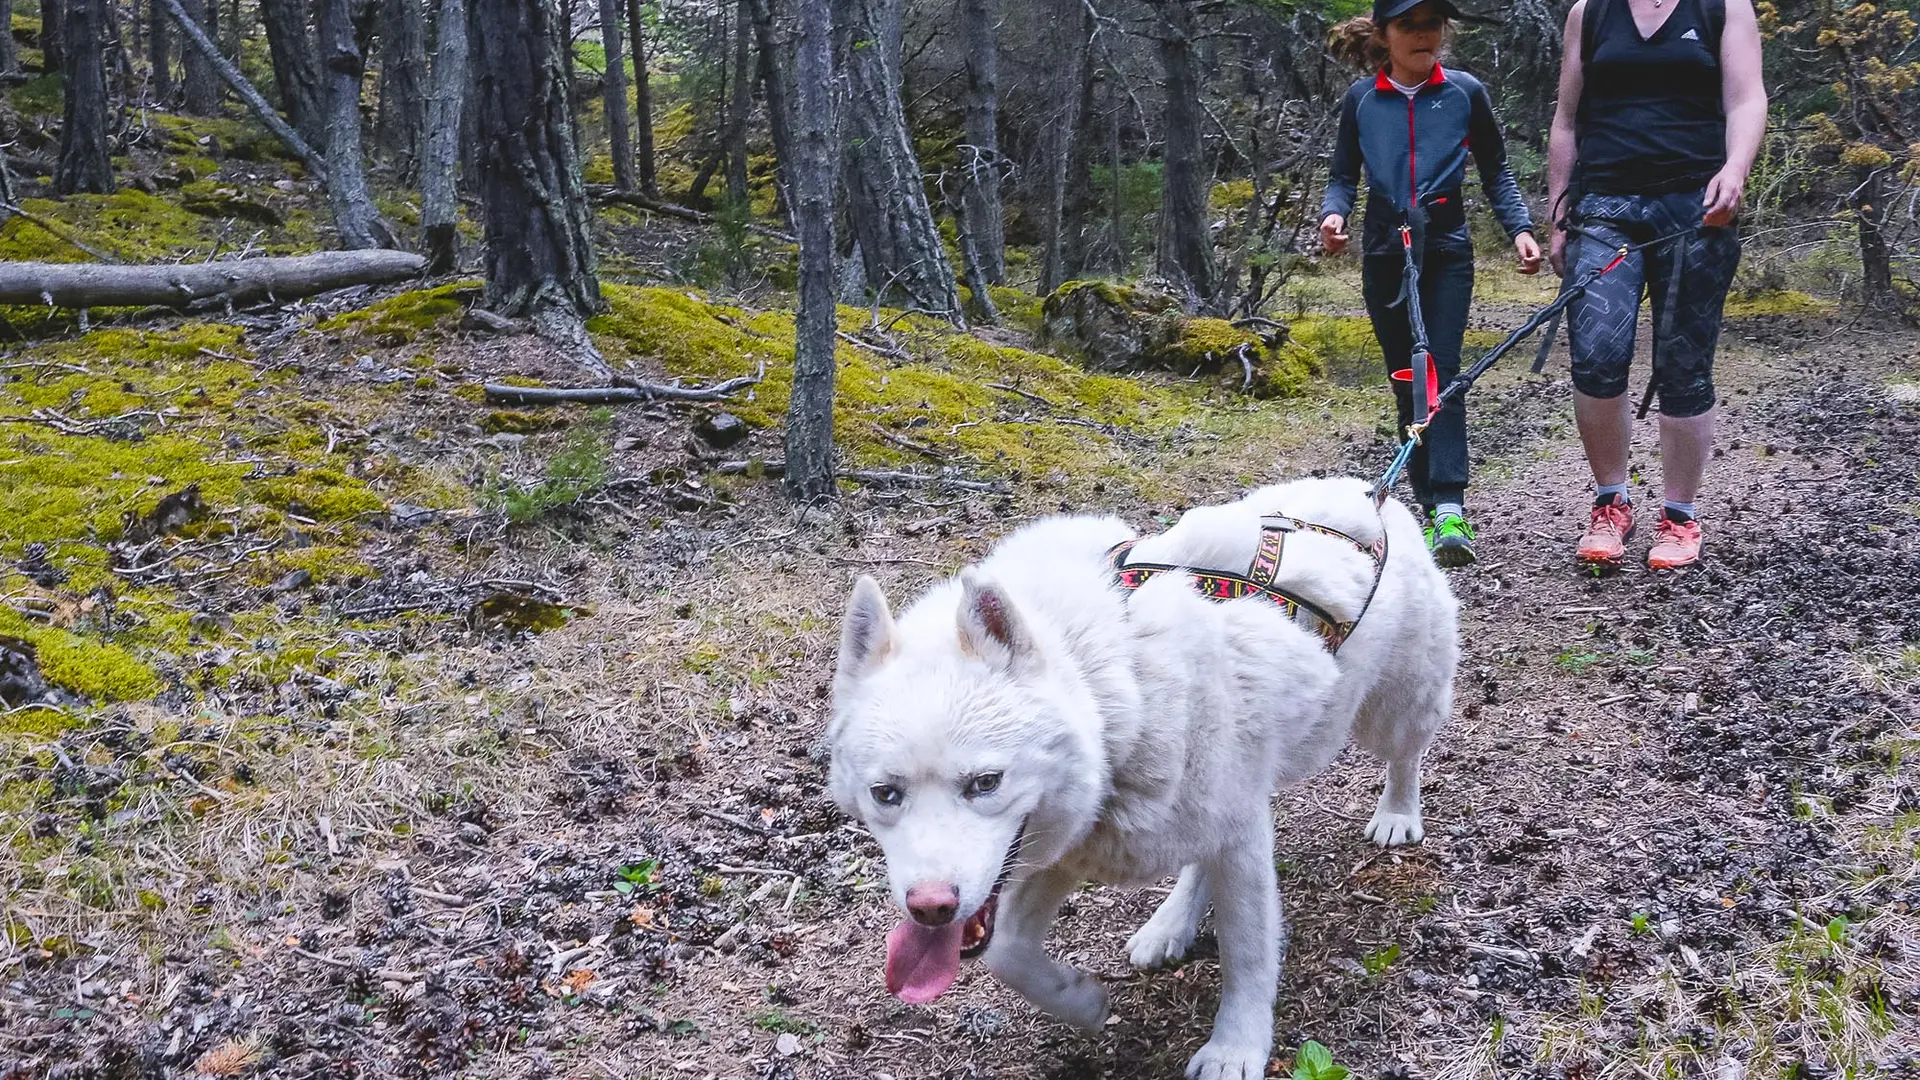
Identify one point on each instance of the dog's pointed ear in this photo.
(990, 628)
(867, 633)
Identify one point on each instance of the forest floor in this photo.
(431, 738)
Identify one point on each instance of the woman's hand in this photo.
(1724, 193)
(1333, 234)
(1557, 252)
(1528, 249)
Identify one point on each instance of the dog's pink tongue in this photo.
(922, 961)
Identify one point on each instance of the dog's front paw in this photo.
(1160, 942)
(1219, 1060)
(1392, 830)
(1078, 999)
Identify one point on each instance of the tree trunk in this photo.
(159, 55)
(52, 16)
(981, 156)
(9, 52)
(1186, 246)
(83, 285)
(539, 252)
(615, 91)
(203, 46)
(810, 453)
(1057, 139)
(439, 167)
(1876, 261)
(888, 198)
(296, 67)
(200, 80)
(343, 28)
(642, 100)
(85, 161)
(403, 65)
(1116, 182)
(1077, 199)
(773, 83)
(739, 109)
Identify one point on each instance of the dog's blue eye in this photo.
(984, 784)
(887, 794)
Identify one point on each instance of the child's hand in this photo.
(1333, 234)
(1528, 249)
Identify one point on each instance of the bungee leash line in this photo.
(1461, 383)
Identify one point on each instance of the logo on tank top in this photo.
(1690, 35)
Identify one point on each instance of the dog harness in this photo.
(1258, 580)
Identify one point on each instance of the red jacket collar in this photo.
(1385, 85)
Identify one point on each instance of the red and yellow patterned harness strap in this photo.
(1258, 580)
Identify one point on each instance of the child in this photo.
(1412, 125)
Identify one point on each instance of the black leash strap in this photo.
(1422, 360)
(1465, 380)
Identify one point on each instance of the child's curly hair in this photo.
(1360, 42)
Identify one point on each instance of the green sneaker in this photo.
(1451, 540)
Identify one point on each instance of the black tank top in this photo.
(1650, 119)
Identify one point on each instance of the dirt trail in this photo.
(1674, 823)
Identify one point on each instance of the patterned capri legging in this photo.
(1601, 323)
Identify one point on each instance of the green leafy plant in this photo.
(637, 876)
(1642, 923)
(1315, 1062)
(1575, 663)
(577, 470)
(1837, 929)
(1378, 962)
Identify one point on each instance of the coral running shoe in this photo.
(1676, 544)
(1608, 531)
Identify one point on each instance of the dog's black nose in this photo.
(933, 903)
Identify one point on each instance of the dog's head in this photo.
(953, 741)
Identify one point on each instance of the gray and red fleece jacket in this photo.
(1415, 149)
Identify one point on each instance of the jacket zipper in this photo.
(1413, 168)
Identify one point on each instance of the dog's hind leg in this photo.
(1398, 733)
(1018, 954)
(1166, 937)
(1246, 915)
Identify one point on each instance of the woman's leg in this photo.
(1380, 277)
(1600, 336)
(1600, 332)
(1684, 361)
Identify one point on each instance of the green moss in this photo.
(400, 320)
(38, 96)
(95, 671)
(1775, 302)
(519, 423)
(1016, 306)
(327, 563)
(129, 223)
(321, 495)
(940, 400)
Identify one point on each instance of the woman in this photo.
(1412, 125)
(1661, 113)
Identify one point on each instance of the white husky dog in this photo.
(1032, 724)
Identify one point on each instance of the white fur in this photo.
(1139, 735)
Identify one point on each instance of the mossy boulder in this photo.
(1125, 328)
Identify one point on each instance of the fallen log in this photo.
(316, 164)
(81, 285)
(500, 394)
